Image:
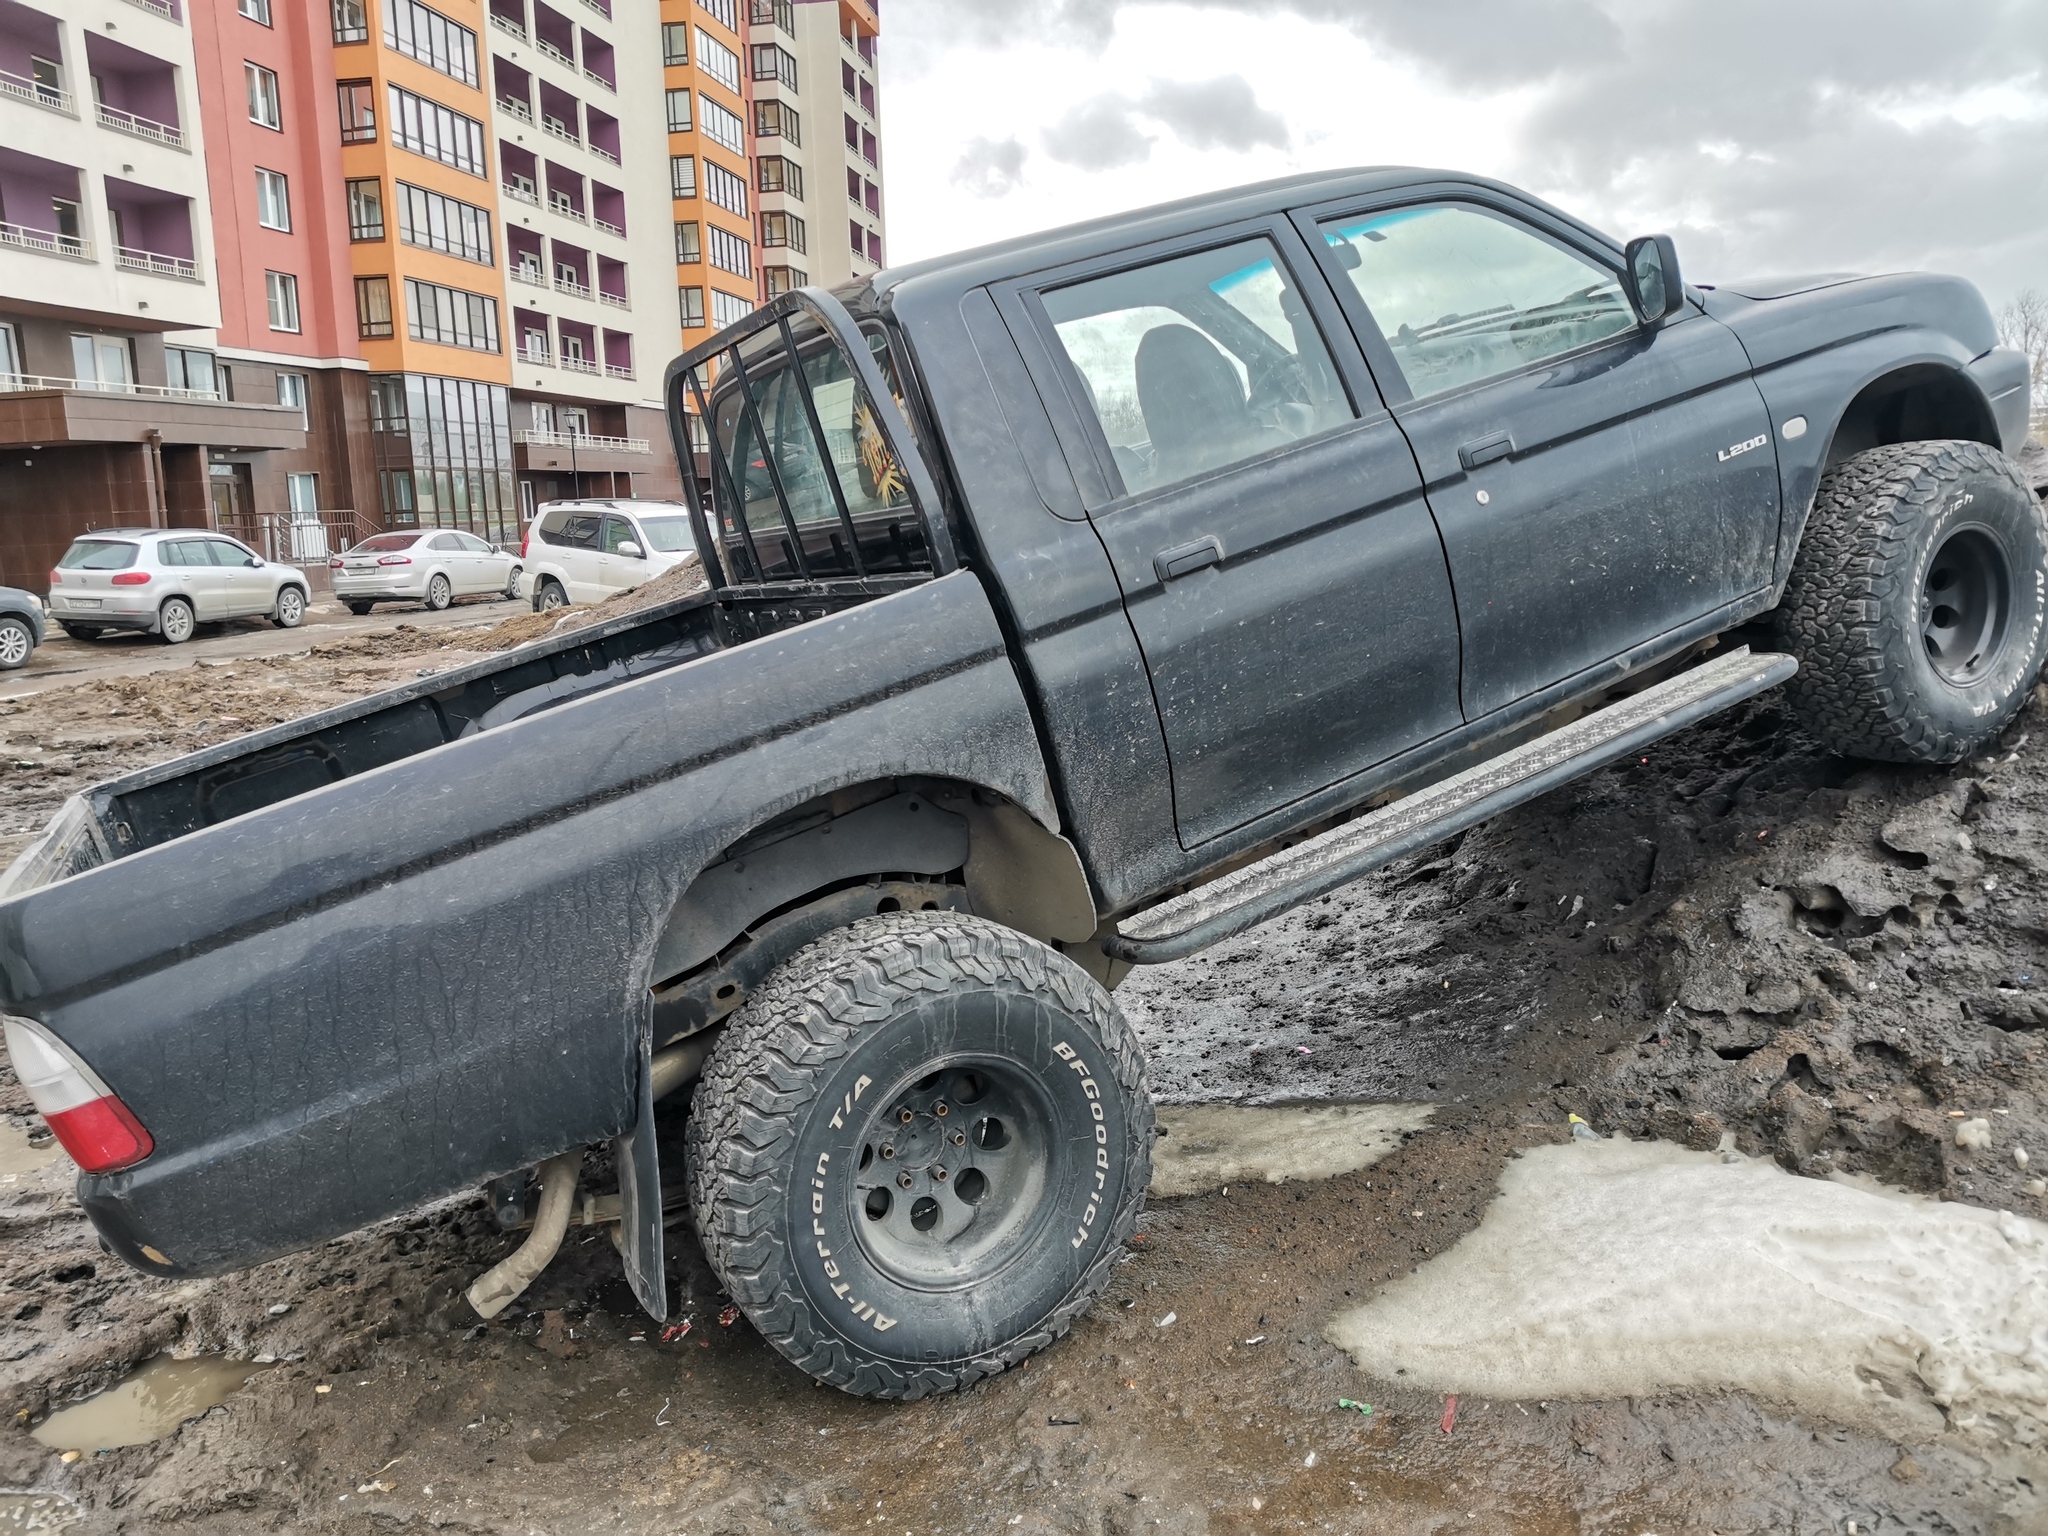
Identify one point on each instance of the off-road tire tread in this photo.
(764, 1072)
(1846, 590)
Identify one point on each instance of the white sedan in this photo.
(433, 566)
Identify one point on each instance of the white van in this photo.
(585, 551)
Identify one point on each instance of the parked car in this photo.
(584, 551)
(21, 627)
(168, 581)
(433, 566)
(1074, 603)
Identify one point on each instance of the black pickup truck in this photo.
(1072, 604)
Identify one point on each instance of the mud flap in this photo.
(639, 1167)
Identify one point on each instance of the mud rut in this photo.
(1736, 934)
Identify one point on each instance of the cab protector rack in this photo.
(1247, 897)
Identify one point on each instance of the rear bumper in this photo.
(363, 588)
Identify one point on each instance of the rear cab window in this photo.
(98, 555)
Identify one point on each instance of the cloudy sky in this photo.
(1765, 135)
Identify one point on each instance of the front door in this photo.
(1277, 559)
(1598, 483)
(621, 569)
(245, 588)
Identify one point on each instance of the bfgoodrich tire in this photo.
(917, 1152)
(1918, 603)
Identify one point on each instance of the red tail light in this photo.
(526, 541)
(394, 560)
(95, 1127)
(334, 564)
(131, 578)
(56, 578)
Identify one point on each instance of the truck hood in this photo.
(1780, 287)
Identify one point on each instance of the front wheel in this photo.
(917, 1152)
(175, 622)
(512, 585)
(17, 643)
(291, 608)
(1918, 603)
(439, 594)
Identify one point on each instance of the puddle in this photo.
(25, 1510)
(18, 1157)
(1206, 1146)
(1615, 1268)
(146, 1406)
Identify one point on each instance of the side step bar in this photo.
(1247, 897)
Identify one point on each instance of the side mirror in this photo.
(254, 563)
(1651, 277)
(629, 549)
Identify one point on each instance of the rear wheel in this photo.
(175, 622)
(83, 631)
(291, 608)
(549, 595)
(512, 585)
(917, 1152)
(439, 593)
(1918, 603)
(17, 642)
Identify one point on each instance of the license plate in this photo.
(82, 602)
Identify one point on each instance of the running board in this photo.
(1247, 897)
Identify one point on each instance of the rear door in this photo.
(189, 568)
(1278, 562)
(1598, 483)
(579, 548)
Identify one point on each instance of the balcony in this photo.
(570, 286)
(520, 194)
(518, 109)
(47, 242)
(532, 276)
(533, 437)
(555, 128)
(507, 25)
(20, 383)
(615, 300)
(156, 263)
(50, 97)
(534, 449)
(167, 9)
(35, 410)
(608, 226)
(618, 370)
(578, 364)
(555, 52)
(591, 74)
(559, 203)
(140, 127)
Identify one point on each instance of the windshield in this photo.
(385, 541)
(98, 555)
(669, 535)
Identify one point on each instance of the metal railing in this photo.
(53, 97)
(48, 242)
(618, 370)
(576, 364)
(141, 127)
(504, 24)
(591, 74)
(555, 128)
(534, 437)
(520, 194)
(601, 152)
(513, 107)
(17, 383)
(602, 7)
(616, 300)
(533, 277)
(163, 8)
(536, 355)
(608, 226)
(571, 287)
(553, 52)
(300, 538)
(155, 263)
(567, 209)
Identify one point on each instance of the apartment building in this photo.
(712, 121)
(818, 164)
(106, 250)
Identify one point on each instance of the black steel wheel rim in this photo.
(1966, 605)
(955, 1173)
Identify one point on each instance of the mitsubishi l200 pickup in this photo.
(1073, 603)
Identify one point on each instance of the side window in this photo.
(551, 526)
(1462, 295)
(225, 553)
(180, 552)
(581, 529)
(618, 531)
(1198, 362)
(447, 544)
(473, 544)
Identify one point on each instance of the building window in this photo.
(730, 252)
(689, 244)
(675, 43)
(778, 174)
(723, 128)
(867, 98)
(782, 279)
(725, 189)
(420, 32)
(263, 99)
(729, 309)
(679, 120)
(779, 13)
(302, 491)
(846, 77)
(351, 23)
(718, 61)
(291, 390)
(852, 185)
(726, 12)
(358, 103)
(373, 307)
(184, 367)
(692, 304)
(282, 291)
(273, 200)
(871, 197)
(440, 133)
(773, 63)
(256, 10)
(366, 209)
(775, 120)
(852, 134)
(456, 469)
(875, 246)
(682, 175)
(451, 317)
(784, 229)
(869, 150)
(436, 222)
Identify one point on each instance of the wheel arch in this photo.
(1917, 402)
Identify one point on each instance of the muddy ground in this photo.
(1737, 935)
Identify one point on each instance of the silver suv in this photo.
(168, 581)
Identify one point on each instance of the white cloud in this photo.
(990, 167)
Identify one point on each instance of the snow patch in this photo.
(1206, 1146)
(1619, 1268)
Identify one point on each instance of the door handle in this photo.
(1484, 450)
(1182, 558)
